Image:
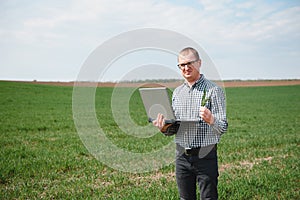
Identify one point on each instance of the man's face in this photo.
(190, 66)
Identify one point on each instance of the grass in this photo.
(42, 155)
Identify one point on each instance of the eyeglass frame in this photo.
(183, 65)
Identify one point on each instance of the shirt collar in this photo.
(198, 82)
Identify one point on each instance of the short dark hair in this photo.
(188, 50)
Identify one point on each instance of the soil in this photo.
(226, 84)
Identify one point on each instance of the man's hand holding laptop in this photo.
(160, 123)
(205, 114)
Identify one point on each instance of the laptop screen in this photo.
(157, 100)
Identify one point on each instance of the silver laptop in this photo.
(157, 100)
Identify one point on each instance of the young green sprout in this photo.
(204, 100)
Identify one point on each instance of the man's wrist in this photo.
(212, 120)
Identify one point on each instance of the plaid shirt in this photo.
(186, 102)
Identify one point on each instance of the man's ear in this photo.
(199, 64)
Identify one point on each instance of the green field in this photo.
(42, 155)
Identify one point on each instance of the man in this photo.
(196, 142)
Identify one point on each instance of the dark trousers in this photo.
(191, 170)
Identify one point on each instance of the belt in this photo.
(191, 151)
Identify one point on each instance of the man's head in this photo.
(189, 63)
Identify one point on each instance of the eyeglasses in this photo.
(182, 66)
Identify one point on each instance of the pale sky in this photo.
(50, 40)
